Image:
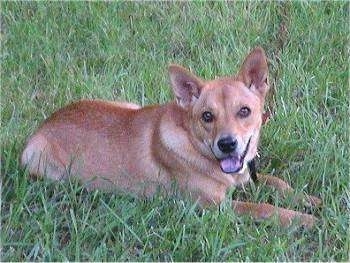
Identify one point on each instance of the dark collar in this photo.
(252, 170)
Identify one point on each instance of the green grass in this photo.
(55, 53)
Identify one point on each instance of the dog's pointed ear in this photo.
(254, 72)
(186, 86)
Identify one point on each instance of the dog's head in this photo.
(225, 113)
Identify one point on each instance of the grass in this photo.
(55, 53)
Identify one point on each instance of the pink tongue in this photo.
(231, 164)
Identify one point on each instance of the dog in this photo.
(203, 141)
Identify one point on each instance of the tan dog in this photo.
(203, 141)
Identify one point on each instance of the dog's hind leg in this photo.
(284, 188)
(44, 158)
(265, 211)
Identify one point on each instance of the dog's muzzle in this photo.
(233, 162)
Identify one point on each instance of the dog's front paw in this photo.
(288, 217)
(312, 201)
(307, 220)
(308, 201)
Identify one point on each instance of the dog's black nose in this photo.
(227, 144)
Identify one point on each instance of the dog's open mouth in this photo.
(234, 162)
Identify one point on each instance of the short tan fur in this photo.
(202, 141)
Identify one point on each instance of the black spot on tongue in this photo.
(231, 164)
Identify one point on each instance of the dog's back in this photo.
(95, 140)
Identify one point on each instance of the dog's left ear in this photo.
(254, 72)
(186, 86)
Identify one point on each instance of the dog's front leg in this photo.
(275, 182)
(284, 188)
(265, 211)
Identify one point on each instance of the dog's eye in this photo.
(244, 112)
(207, 116)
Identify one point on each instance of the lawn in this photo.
(56, 53)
